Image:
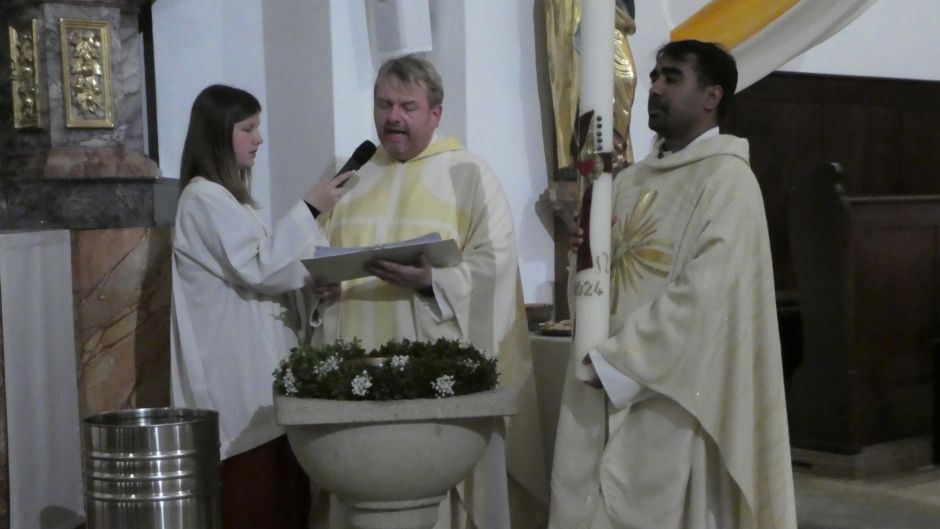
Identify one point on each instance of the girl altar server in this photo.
(237, 308)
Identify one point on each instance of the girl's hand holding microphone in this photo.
(326, 192)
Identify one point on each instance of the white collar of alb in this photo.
(710, 133)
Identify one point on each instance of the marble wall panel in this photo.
(128, 80)
(125, 80)
(121, 281)
(121, 272)
(60, 134)
(86, 204)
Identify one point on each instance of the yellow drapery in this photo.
(763, 35)
(730, 22)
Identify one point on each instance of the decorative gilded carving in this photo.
(24, 59)
(86, 70)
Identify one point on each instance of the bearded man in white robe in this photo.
(418, 183)
(679, 419)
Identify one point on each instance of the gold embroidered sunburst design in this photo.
(638, 250)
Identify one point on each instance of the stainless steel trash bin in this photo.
(152, 468)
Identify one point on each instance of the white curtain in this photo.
(803, 26)
(43, 438)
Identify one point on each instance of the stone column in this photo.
(104, 137)
(89, 175)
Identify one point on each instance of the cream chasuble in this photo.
(447, 190)
(694, 321)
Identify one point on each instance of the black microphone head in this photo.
(364, 152)
(360, 156)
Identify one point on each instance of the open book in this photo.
(331, 264)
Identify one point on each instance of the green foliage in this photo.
(397, 370)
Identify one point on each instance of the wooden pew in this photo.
(867, 270)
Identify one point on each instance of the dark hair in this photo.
(208, 150)
(713, 65)
(414, 70)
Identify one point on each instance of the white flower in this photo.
(486, 354)
(290, 383)
(361, 384)
(330, 364)
(400, 361)
(467, 344)
(471, 363)
(443, 386)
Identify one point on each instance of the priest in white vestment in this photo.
(680, 422)
(418, 183)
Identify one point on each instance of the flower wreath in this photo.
(397, 370)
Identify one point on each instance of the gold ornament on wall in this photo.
(86, 71)
(24, 64)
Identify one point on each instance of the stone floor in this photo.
(908, 500)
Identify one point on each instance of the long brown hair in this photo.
(208, 149)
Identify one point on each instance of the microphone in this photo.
(359, 157)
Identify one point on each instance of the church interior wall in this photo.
(504, 125)
(893, 38)
(449, 54)
(488, 55)
(197, 44)
(311, 66)
(300, 134)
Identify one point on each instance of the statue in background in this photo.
(563, 196)
(624, 82)
(562, 18)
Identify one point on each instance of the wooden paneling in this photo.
(799, 147)
(883, 132)
(868, 272)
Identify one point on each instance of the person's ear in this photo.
(436, 114)
(713, 95)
